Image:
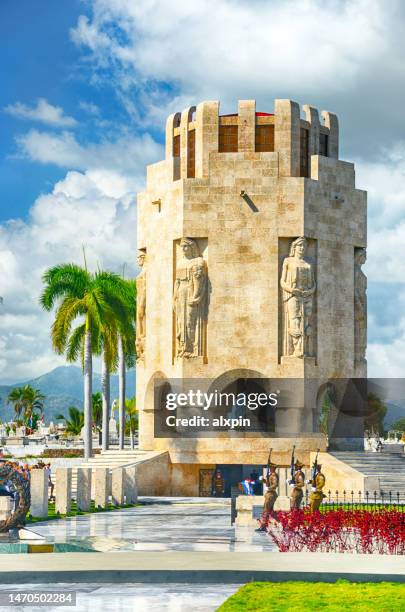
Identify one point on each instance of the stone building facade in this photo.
(251, 235)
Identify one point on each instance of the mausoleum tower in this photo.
(256, 217)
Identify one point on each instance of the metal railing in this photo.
(371, 501)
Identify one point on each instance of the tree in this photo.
(27, 402)
(109, 360)
(126, 349)
(132, 419)
(97, 410)
(33, 404)
(15, 397)
(95, 299)
(75, 422)
(399, 425)
(376, 412)
(117, 348)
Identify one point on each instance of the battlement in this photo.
(191, 136)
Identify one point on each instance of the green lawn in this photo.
(312, 596)
(74, 512)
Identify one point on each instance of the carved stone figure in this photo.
(21, 485)
(190, 301)
(141, 306)
(360, 306)
(298, 287)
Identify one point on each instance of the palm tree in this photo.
(109, 357)
(75, 422)
(97, 410)
(132, 418)
(126, 350)
(33, 403)
(27, 401)
(16, 398)
(95, 298)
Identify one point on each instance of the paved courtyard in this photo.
(135, 597)
(159, 524)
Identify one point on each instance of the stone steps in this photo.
(110, 459)
(389, 468)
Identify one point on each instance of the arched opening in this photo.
(156, 394)
(243, 388)
(325, 415)
(176, 146)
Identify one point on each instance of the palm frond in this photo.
(67, 312)
(65, 280)
(75, 343)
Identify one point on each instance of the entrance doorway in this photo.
(232, 474)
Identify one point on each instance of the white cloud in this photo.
(90, 108)
(43, 112)
(387, 360)
(384, 180)
(126, 154)
(260, 43)
(93, 208)
(320, 51)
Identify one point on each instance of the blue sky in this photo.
(86, 89)
(38, 61)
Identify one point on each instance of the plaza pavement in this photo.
(180, 540)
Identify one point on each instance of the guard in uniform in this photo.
(298, 484)
(218, 484)
(270, 496)
(318, 484)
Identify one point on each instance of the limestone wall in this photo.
(246, 240)
(153, 476)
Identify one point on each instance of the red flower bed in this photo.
(359, 531)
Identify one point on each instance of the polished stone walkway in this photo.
(135, 597)
(160, 524)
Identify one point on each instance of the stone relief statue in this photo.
(141, 306)
(190, 301)
(298, 287)
(360, 305)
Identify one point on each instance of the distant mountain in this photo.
(63, 387)
(395, 411)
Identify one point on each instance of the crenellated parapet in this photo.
(193, 135)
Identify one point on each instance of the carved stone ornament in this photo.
(360, 305)
(190, 301)
(298, 288)
(141, 306)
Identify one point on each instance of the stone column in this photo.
(83, 495)
(39, 493)
(246, 125)
(311, 115)
(117, 486)
(63, 490)
(186, 116)
(287, 137)
(206, 137)
(331, 121)
(101, 487)
(131, 490)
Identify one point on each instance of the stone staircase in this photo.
(111, 459)
(388, 467)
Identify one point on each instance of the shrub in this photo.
(359, 531)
